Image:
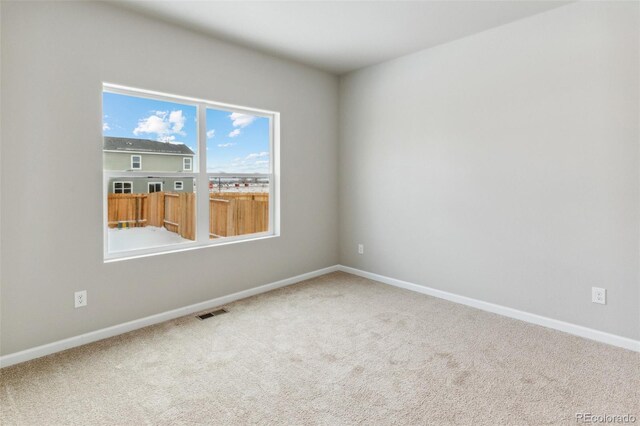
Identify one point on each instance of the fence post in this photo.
(232, 218)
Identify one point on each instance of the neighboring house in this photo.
(145, 185)
(144, 155)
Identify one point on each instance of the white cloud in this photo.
(256, 155)
(164, 124)
(211, 133)
(105, 127)
(256, 162)
(224, 145)
(177, 119)
(152, 124)
(241, 120)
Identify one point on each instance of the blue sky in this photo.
(236, 143)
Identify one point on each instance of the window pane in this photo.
(147, 134)
(155, 187)
(237, 143)
(135, 162)
(121, 187)
(238, 206)
(141, 215)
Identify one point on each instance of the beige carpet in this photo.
(333, 350)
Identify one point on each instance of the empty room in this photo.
(319, 212)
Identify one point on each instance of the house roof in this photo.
(145, 145)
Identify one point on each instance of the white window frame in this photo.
(122, 182)
(175, 185)
(155, 183)
(201, 178)
(139, 162)
(184, 164)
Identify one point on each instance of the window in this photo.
(186, 163)
(120, 187)
(239, 172)
(155, 187)
(136, 162)
(209, 176)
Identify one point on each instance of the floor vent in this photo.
(212, 314)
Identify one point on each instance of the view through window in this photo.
(161, 195)
(238, 167)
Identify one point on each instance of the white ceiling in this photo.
(339, 36)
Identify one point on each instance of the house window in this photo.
(120, 187)
(186, 163)
(136, 162)
(155, 187)
(228, 193)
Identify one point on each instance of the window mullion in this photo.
(202, 183)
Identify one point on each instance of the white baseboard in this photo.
(104, 333)
(578, 330)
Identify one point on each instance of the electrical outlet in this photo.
(599, 295)
(80, 298)
(360, 248)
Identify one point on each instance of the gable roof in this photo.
(144, 145)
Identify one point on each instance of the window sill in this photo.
(177, 248)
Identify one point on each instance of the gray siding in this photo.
(141, 184)
(121, 161)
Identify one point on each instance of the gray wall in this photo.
(504, 166)
(55, 56)
(150, 162)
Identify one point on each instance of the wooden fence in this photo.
(156, 209)
(238, 213)
(229, 213)
(127, 210)
(174, 211)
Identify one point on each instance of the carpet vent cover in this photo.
(212, 314)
